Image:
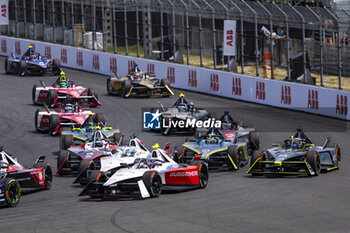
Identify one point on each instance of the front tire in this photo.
(260, 156)
(12, 192)
(153, 183)
(202, 173)
(62, 160)
(66, 141)
(47, 175)
(52, 96)
(233, 152)
(54, 122)
(313, 158)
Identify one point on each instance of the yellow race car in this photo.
(138, 83)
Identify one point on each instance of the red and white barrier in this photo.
(317, 100)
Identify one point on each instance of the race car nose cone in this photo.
(278, 163)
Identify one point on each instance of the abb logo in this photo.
(313, 99)
(192, 78)
(3, 46)
(48, 52)
(229, 37)
(171, 74)
(214, 82)
(18, 48)
(150, 69)
(342, 105)
(286, 97)
(236, 86)
(64, 56)
(260, 90)
(3, 10)
(113, 65)
(95, 62)
(80, 58)
(131, 65)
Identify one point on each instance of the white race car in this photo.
(147, 177)
(120, 155)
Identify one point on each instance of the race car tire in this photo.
(52, 96)
(92, 92)
(36, 119)
(109, 86)
(337, 154)
(12, 192)
(100, 118)
(33, 94)
(164, 82)
(314, 160)
(92, 175)
(83, 164)
(126, 88)
(54, 122)
(257, 155)
(6, 66)
(61, 158)
(233, 152)
(47, 176)
(22, 67)
(66, 141)
(153, 183)
(202, 173)
(56, 62)
(254, 140)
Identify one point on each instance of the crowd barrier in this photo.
(312, 99)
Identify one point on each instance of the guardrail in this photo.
(293, 96)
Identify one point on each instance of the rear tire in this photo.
(12, 192)
(56, 66)
(22, 68)
(52, 96)
(62, 158)
(254, 140)
(33, 94)
(126, 88)
(100, 118)
(202, 173)
(36, 119)
(257, 155)
(313, 158)
(84, 164)
(233, 152)
(48, 176)
(153, 183)
(54, 122)
(6, 66)
(109, 86)
(164, 82)
(66, 141)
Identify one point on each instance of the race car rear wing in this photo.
(39, 161)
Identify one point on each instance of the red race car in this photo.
(68, 115)
(14, 176)
(57, 93)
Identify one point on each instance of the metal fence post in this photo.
(303, 35)
(149, 27)
(338, 46)
(125, 29)
(93, 9)
(287, 39)
(63, 21)
(53, 20)
(321, 43)
(174, 33)
(271, 39)
(82, 13)
(16, 18)
(25, 18)
(256, 38)
(73, 22)
(137, 32)
(34, 18)
(44, 16)
(241, 36)
(114, 29)
(103, 26)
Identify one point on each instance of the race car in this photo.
(77, 158)
(67, 115)
(78, 136)
(14, 177)
(296, 156)
(234, 131)
(181, 112)
(138, 83)
(60, 90)
(31, 63)
(147, 177)
(215, 150)
(120, 155)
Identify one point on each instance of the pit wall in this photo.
(312, 99)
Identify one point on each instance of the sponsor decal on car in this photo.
(192, 173)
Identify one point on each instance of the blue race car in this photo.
(31, 63)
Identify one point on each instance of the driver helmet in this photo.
(31, 56)
(211, 140)
(182, 108)
(297, 143)
(99, 143)
(129, 153)
(191, 107)
(226, 125)
(69, 108)
(63, 80)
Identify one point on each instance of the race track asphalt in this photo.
(232, 201)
